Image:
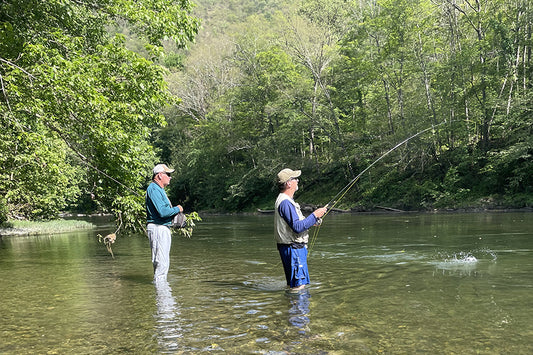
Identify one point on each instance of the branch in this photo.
(85, 160)
(16, 66)
(4, 90)
(455, 6)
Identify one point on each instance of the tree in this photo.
(77, 107)
(311, 35)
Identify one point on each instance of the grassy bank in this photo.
(45, 227)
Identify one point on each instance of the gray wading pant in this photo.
(160, 240)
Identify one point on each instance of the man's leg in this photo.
(160, 242)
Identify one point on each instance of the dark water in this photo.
(391, 284)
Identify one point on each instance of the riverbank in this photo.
(24, 228)
(21, 228)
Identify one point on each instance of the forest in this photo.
(228, 93)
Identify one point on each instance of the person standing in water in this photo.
(159, 213)
(291, 230)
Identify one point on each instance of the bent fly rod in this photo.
(333, 202)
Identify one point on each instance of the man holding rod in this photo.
(291, 230)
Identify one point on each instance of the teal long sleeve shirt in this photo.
(158, 207)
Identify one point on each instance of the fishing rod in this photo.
(333, 202)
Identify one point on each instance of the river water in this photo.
(380, 284)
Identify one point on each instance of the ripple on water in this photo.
(398, 257)
(269, 284)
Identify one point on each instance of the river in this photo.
(380, 284)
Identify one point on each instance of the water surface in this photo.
(402, 284)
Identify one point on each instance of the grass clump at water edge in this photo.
(15, 227)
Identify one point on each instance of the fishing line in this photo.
(331, 204)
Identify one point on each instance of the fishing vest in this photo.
(283, 232)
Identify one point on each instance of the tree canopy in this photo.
(77, 107)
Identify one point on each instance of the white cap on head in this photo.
(162, 168)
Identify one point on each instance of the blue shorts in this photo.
(294, 264)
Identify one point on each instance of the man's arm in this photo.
(288, 212)
(162, 204)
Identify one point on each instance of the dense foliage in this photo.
(87, 90)
(329, 86)
(78, 107)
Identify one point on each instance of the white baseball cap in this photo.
(162, 168)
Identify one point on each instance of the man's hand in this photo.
(320, 211)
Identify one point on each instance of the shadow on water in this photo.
(264, 284)
(144, 279)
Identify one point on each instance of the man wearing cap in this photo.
(159, 213)
(291, 230)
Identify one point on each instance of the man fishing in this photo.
(159, 213)
(291, 230)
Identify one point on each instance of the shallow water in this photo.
(395, 284)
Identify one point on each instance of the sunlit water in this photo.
(393, 284)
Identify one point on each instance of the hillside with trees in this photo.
(330, 86)
(93, 94)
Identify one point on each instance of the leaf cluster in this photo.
(77, 107)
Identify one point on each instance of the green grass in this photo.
(14, 227)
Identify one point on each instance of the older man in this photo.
(291, 230)
(159, 213)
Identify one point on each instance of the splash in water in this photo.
(463, 263)
(462, 257)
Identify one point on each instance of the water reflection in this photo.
(299, 309)
(169, 330)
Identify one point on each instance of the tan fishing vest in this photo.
(283, 232)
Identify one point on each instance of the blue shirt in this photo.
(158, 207)
(288, 213)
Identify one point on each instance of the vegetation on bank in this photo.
(94, 94)
(43, 227)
